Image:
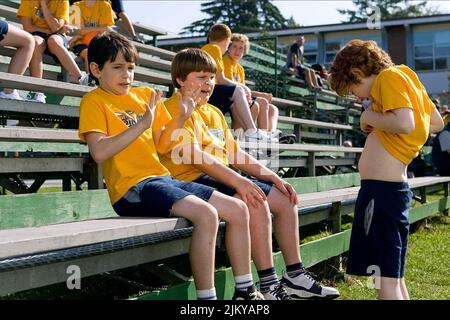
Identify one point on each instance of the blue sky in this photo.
(174, 15)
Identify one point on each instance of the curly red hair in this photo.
(364, 55)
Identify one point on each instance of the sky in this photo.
(173, 15)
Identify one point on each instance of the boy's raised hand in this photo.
(188, 99)
(149, 114)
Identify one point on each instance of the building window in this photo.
(333, 46)
(311, 52)
(432, 50)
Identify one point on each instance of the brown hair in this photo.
(364, 55)
(219, 32)
(191, 60)
(243, 38)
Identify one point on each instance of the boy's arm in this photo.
(29, 27)
(221, 79)
(436, 122)
(207, 163)
(103, 147)
(53, 23)
(246, 163)
(393, 121)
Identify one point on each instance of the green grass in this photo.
(427, 266)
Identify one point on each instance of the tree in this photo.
(240, 15)
(389, 9)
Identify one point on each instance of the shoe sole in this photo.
(308, 296)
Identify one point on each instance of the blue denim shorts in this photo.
(379, 238)
(45, 36)
(3, 29)
(221, 97)
(228, 190)
(78, 48)
(154, 197)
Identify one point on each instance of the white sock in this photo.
(209, 294)
(243, 282)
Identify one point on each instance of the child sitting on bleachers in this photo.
(91, 17)
(228, 95)
(265, 112)
(125, 129)
(12, 36)
(205, 155)
(46, 20)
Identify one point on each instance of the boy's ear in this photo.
(357, 72)
(95, 70)
(180, 82)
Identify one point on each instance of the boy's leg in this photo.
(240, 109)
(263, 117)
(254, 110)
(56, 46)
(203, 243)
(273, 117)
(24, 42)
(127, 24)
(404, 289)
(36, 63)
(237, 236)
(390, 289)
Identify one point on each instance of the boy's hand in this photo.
(364, 126)
(149, 115)
(188, 100)
(287, 189)
(249, 192)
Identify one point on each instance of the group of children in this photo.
(47, 24)
(175, 158)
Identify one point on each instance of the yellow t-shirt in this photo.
(233, 70)
(32, 9)
(207, 128)
(399, 87)
(112, 114)
(216, 53)
(99, 15)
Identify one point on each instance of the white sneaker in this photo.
(84, 79)
(257, 136)
(276, 292)
(13, 95)
(304, 286)
(39, 97)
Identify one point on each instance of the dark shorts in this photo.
(221, 97)
(156, 196)
(117, 6)
(45, 36)
(78, 48)
(380, 230)
(228, 190)
(3, 29)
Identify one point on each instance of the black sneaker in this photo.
(305, 286)
(250, 294)
(276, 292)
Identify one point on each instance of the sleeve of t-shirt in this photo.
(393, 92)
(92, 118)
(62, 11)
(25, 9)
(216, 54)
(107, 15)
(444, 140)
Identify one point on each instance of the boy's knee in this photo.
(273, 109)
(241, 210)
(209, 217)
(263, 102)
(54, 42)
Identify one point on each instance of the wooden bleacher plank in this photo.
(35, 109)
(35, 134)
(313, 123)
(40, 165)
(56, 147)
(8, 13)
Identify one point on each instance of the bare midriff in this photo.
(376, 163)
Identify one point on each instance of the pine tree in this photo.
(240, 15)
(389, 9)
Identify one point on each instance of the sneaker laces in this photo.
(279, 292)
(255, 295)
(310, 275)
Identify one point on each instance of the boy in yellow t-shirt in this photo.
(265, 112)
(125, 128)
(398, 121)
(90, 17)
(46, 21)
(228, 95)
(203, 155)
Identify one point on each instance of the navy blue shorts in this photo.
(380, 230)
(78, 48)
(3, 29)
(154, 197)
(45, 36)
(117, 6)
(228, 190)
(221, 97)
